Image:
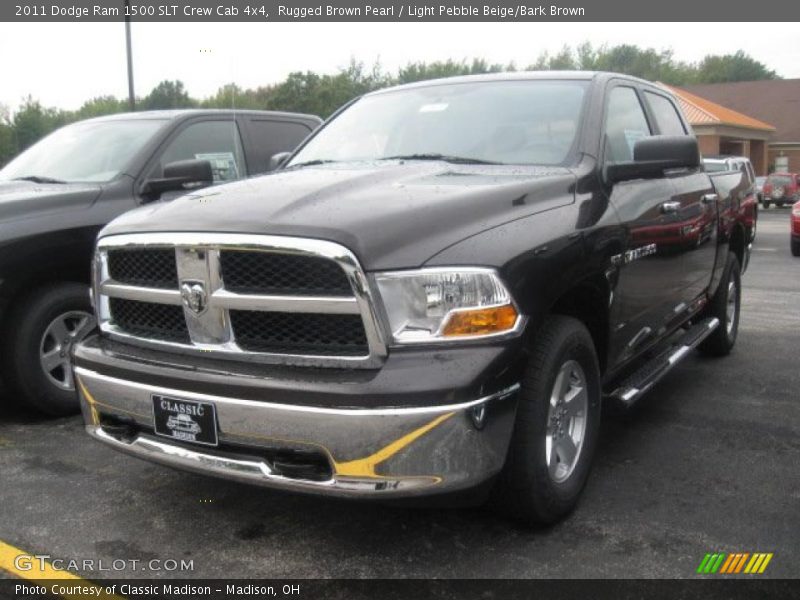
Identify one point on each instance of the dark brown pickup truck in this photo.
(435, 294)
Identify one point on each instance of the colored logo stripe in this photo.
(736, 562)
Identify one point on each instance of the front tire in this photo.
(43, 327)
(765, 204)
(725, 306)
(556, 428)
(795, 247)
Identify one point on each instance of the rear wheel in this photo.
(556, 429)
(725, 306)
(44, 326)
(765, 204)
(795, 247)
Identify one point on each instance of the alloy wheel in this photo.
(59, 337)
(566, 421)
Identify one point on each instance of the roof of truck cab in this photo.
(518, 76)
(181, 113)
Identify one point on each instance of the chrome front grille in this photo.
(247, 297)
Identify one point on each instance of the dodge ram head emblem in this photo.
(193, 295)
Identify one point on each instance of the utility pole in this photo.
(131, 95)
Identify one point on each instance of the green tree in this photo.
(32, 122)
(167, 94)
(99, 106)
(421, 71)
(231, 95)
(322, 94)
(732, 67)
(8, 140)
(654, 65)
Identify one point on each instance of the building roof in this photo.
(775, 101)
(700, 111)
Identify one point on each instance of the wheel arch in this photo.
(738, 243)
(588, 301)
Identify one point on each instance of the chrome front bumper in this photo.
(382, 452)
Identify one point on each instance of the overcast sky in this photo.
(65, 64)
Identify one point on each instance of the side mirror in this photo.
(654, 155)
(181, 175)
(276, 161)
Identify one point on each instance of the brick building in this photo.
(771, 101)
(722, 130)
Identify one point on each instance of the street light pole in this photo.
(131, 95)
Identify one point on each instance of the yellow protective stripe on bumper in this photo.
(365, 467)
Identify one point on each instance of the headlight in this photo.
(433, 305)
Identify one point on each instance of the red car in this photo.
(781, 188)
(796, 229)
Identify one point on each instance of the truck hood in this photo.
(24, 199)
(392, 214)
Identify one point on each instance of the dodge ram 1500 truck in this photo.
(57, 195)
(434, 294)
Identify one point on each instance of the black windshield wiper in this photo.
(311, 163)
(461, 160)
(39, 179)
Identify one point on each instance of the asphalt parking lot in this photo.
(708, 462)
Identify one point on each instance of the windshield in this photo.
(93, 151)
(508, 122)
(714, 167)
(760, 180)
(779, 180)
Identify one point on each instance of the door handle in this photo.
(670, 207)
(709, 198)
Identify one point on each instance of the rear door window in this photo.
(268, 137)
(666, 114)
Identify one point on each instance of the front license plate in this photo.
(185, 420)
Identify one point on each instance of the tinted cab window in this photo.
(215, 141)
(269, 137)
(666, 114)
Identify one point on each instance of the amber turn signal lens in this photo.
(480, 321)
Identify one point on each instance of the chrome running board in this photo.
(634, 386)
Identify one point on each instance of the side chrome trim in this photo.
(197, 258)
(89, 375)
